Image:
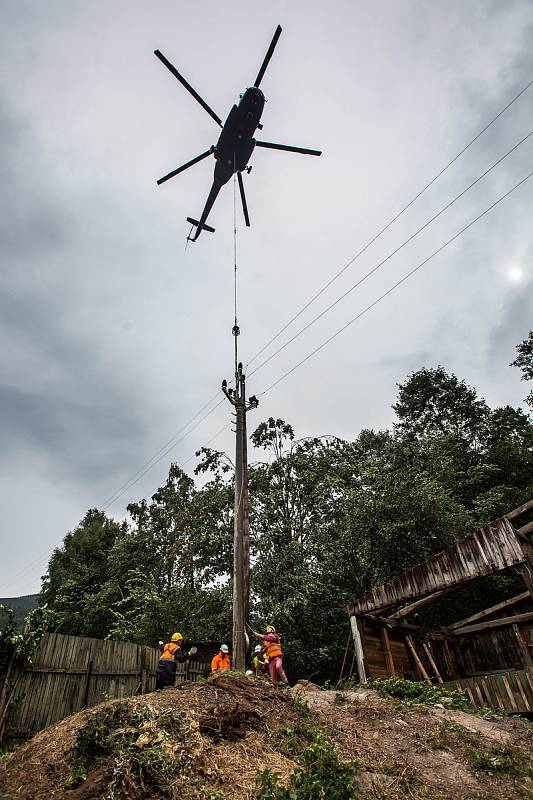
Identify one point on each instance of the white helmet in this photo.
(257, 648)
(224, 648)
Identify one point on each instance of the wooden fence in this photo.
(510, 691)
(69, 673)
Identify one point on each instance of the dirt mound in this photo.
(209, 740)
(196, 729)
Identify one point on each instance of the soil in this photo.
(414, 752)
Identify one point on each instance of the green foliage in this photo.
(322, 775)
(330, 519)
(24, 643)
(148, 748)
(417, 692)
(21, 607)
(76, 776)
(499, 760)
(524, 361)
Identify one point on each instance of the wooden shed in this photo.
(488, 654)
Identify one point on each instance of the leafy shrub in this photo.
(501, 759)
(322, 775)
(417, 692)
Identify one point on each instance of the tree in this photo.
(432, 401)
(524, 361)
(77, 587)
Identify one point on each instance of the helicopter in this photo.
(236, 142)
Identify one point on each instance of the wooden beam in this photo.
(391, 623)
(494, 623)
(520, 510)
(406, 610)
(389, 661)
(431, 660)
(420, 666)
(525, 529)
(526, 573)
(488, 611)
(524, 649)
(358, 645)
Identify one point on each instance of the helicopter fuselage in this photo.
(236, 143)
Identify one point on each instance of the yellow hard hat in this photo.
(176, 637)
(270, 628)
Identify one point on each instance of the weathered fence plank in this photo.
(71, 672)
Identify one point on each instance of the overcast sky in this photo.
(113, 336)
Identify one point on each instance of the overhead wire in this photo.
(388, 224)
(45, 555)
(391, 254)
(162, 455)
(394, 286)
(174, 440)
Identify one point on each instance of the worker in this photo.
(221, 662)
(259, 661)
(273, 653)
(171, 655)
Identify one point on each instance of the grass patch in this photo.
(322, 775)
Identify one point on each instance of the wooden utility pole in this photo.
(241, 525)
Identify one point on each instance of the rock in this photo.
(370, 780)
(447, 701)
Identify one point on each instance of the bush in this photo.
(417, 692)
(322, 775)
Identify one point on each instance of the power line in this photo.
(125, 485)
(162, 455)
(45, 555)
(389, 223)
(391, 254)
(395, 286)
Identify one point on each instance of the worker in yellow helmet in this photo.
(171, 655)
(273, 654)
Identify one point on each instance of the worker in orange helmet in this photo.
(221, 662)
(273, 654)
(171, 655)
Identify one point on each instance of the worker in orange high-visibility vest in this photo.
(273, 654)
(221, 662)
(171, 655)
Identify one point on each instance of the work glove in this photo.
(160, 642)
(193, 651)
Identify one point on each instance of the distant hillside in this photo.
(20, 605)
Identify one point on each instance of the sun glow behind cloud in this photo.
(515, 274)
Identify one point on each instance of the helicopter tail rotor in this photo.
(203, 227)
(268, 56)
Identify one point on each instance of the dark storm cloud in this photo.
(513, 325)
(64, 405)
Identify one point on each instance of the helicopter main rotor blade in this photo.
(185, 166)
(243, 198)
(268, 56)
(304, 150)
(188, 86)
